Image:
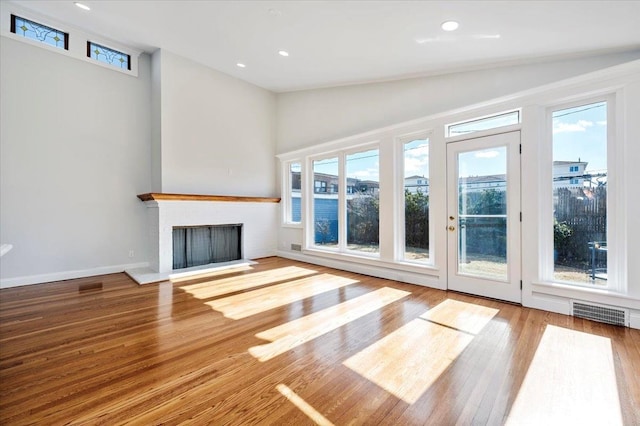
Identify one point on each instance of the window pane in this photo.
(482, 213)
(294, 193)
(108, 56)
(39, 32)
(580, 194)
(325, 202)
(363, 198)
(506, 119)
(416, 200)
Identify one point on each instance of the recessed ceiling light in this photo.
(450, 25)
(283, 53)
(241, 65)
(82, 6)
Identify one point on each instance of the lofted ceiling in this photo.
(334, 43)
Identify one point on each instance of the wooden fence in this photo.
(584, 211)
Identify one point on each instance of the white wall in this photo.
(631, 178)
(80, 141)
(217, 132)
(309, 117)
(75, 151)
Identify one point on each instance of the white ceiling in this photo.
(342, 42)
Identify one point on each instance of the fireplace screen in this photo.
(201, 245)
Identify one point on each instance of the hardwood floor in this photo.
(285, 342)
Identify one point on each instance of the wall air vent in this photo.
(601, 313)
(296, 247)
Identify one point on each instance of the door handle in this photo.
(452, 228)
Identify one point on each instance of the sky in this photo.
(416, 158)
(579, 133)
(366, 165)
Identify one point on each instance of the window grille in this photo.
(108, 56)
(39, 32)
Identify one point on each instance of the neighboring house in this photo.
(415, 184)
(368, 187)
(324, 183)
(569, 174)
(296, 182)
(482, 183)
(566, 174)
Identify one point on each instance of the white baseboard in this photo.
(634, 320)
(374, 271)
(550, 303)
(67, 275)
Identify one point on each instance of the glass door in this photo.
(483, 224)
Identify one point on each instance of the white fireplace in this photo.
(258, 217)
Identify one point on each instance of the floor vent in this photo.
(600, 313)
(90, 286)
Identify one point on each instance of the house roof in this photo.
(484, 179)
(567, 163)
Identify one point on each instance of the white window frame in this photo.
(341, 155)
(286, 199)
(615, 171)
(400, 249)
(342, 228)
(447, 127)
(309, 212)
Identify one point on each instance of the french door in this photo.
(483, 223)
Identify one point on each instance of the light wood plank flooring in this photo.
(285, 342)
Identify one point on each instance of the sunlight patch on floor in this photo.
(307, 409)
(461, 316)
(408, 361)
(219, 287)
(300, 331)
(244, 305)
(571, 380)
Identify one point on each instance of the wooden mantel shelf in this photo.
(155, 196)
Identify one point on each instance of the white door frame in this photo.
(508, 289)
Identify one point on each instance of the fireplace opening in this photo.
(201, 245)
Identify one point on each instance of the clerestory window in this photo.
(39, 32)
(108, 56)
